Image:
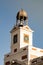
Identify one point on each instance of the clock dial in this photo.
(26, 38)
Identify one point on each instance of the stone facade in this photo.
(22, 50)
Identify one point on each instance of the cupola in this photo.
(21, 18)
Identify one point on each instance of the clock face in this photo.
(26, 38)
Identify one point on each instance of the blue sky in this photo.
(8, 11)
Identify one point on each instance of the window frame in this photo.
(24, 57)
(15, 37)
(15, 50)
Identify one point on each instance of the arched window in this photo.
(15, 39)
(7, 63)
(24, 57)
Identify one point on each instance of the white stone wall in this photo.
(24, 30)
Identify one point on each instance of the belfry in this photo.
(22, 50)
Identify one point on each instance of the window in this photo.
(24, 57)
(24, 49)
(15, 39)
(34, 61)
(42, 58)
(15, 50)
(7, 55)
(7, 63)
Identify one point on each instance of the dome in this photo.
(21, 15)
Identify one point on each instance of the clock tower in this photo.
(21, 40)
(22, 50)
(21, 34)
